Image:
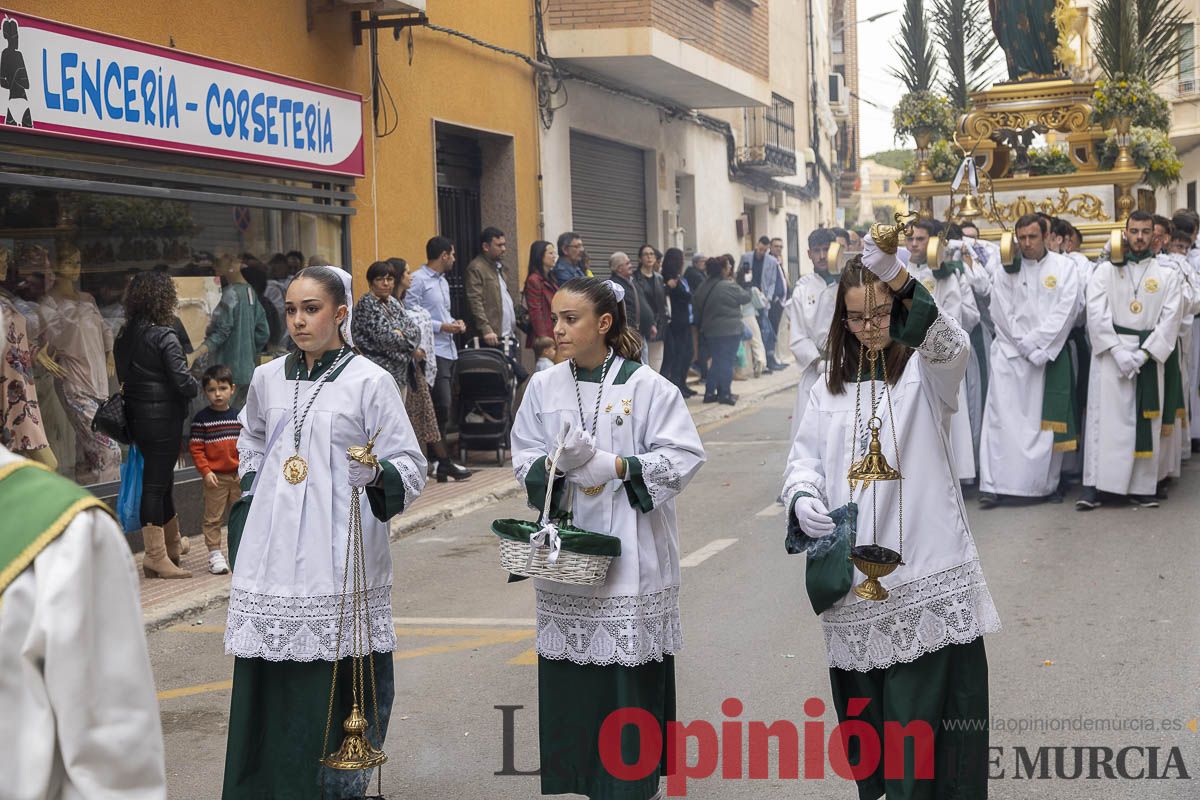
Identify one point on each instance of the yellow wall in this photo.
(449, 80)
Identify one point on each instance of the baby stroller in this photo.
(486, 391)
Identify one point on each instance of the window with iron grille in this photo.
(781, 124)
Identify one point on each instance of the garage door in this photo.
(608, 198)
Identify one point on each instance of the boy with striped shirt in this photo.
(214, 451)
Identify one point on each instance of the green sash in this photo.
(1058, 403)
(1174, 397)
(947, 269)
(38, 506)
(1148, 407)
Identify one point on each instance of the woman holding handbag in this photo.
(630, 448)
(156, 386)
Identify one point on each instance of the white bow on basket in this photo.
(548, 535)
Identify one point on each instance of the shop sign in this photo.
(66, 81)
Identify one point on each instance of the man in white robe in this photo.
(954, 297)
(1034, 303)
(78, 712)
(1133, 320)
(809, 313)
(1187, 222)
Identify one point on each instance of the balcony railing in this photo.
(769, 143)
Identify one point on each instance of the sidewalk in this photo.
(165, 601)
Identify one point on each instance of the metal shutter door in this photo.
(608, 198)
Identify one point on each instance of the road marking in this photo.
(773, 510)
(528, 658)
(742, 442)
(706, 552)
(442, 539)
(467, 639)
(185, 691)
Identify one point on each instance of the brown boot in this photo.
(155, 563)
(176, 545)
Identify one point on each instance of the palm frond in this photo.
(1158, 24)
(967, 46)
(1138, 38)
(918, 66)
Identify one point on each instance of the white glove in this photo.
(1038, 357)
(1025, 347)
(813, 517)
(599, 470)
(578, 448)
(1127, 360)
(886, 267)
(360, 474)
(1141, 357)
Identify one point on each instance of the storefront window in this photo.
(66, 258)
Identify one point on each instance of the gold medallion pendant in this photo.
(592, 491)
(1136, 307)
(295, 469)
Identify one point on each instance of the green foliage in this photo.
(1050, 160)
(1132, 97)
(967, 45)
(1152, 151)
(896, 159)
(923, 110)
(1137, 38)
(918, 67)
(944, 160)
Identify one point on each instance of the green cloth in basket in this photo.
(573, 539)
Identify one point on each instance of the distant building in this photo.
(880, 192)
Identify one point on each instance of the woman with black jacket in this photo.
(157, 386)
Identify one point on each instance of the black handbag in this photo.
(110, 419)
(110, 415)
(523, 320)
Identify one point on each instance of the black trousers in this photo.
(443, 392)
(159, 439)
(677, 357)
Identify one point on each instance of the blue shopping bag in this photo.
(129, 497)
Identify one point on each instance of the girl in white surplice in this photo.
(285, 608)
(631, 448)
(918, 655)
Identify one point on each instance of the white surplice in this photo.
(78, 713)
(938, 596)
(1177, 446)
(289, 573)
(1109, 462)
(954, 298)
(809, 313)
(633, 618)
(1039, 304)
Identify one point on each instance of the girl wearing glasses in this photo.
(916, 657)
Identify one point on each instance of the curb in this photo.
(170, 613)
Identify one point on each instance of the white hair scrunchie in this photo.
(347, 280)
(618, 290)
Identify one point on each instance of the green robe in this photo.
(1028, 36)
(237, 333)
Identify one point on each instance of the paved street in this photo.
(1099, 614)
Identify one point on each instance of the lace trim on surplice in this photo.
(949, 607)
(630, 630)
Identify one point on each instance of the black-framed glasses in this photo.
(880, 319)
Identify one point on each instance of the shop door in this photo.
(459, 168)
(608, 198)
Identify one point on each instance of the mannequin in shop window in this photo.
(80, 342)
(20, 413)
(238, 330)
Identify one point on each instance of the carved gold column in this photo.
(1124, 138)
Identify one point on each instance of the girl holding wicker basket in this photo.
(613, 442)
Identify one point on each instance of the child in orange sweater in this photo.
(214, 451)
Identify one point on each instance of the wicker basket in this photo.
(583, 557)
(583, 569)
